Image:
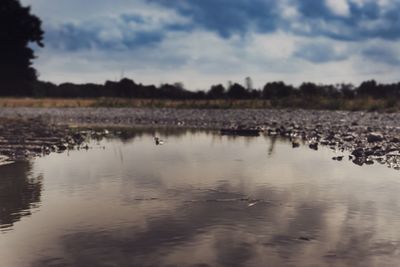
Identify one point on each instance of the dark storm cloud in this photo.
(382, 55)
(366, 20)
(228, 17)
(124, 32)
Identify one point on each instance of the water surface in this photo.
(198, 200)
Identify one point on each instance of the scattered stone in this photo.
(313, 146)
(4, 160)
(369, 162)
(27, 138)
(295, 143)
(359, 161)
(358, 152)
(374, 137)
(364, 134)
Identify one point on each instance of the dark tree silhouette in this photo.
(346, 90)
(18, 28)
(368, 88)
(216, 92)
(308, 89)
(237, 91)
(276, 90)
(19, 193)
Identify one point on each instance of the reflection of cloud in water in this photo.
(187, 204)
(19, 192)
(238, 235)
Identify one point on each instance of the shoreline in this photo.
(368, 136)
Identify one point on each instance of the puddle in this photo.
(199, 199)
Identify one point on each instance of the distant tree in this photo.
(276, 90)
(310, 89)
(249, 83)
(126, 88)
(148, 91)
(229, 84)
(347, 90)
(237, 91)
(199, 95)
(368, 88)
(216, 92)
(391, 90)
(179, 85)
(255, 94)
(18, 28)
(44, 89)
(327, 90)
(172, 92)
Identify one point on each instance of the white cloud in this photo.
(288, 10)
(339, 7)
(61, 11)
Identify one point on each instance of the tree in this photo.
(347, 90)
(249, 83)
(368, 88)
(237, 91)
(216, 92)
(18, 28)
(309, 89)
(276, 90)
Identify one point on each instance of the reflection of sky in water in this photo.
(200, 200)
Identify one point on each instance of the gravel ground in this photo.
(369, 137)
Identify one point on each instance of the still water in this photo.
(198, 200)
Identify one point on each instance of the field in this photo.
(368, 104)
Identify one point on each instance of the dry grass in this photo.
(369, 104)
(166, 103)
(46, 102)
(138, 103)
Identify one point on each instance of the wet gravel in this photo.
(25, 138)
(367, 137)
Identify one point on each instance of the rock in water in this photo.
(4, 160)
(313, 146)
(358, 152)
(295, 143)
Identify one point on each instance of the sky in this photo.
(206, 42)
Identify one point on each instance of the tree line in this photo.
(127, 88)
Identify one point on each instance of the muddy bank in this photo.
(368, 137)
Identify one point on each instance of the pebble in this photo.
(367, 136)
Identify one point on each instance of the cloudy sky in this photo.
(204, 42)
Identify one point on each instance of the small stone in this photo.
(374, 137)
(369, 162)
(313, 146)
(358, 152)
(295, 143)
(359, 161)
(395, 140)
